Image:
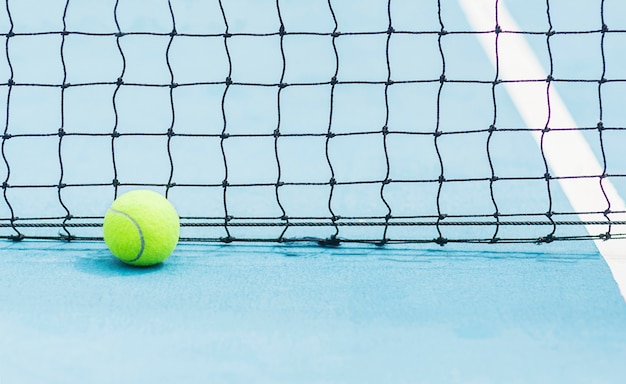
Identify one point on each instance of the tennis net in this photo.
(379, 121)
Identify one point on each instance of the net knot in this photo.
(441, 241)
(332, 241)
(546, 239)
(67, 237)
(18, 237)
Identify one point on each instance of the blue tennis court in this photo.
(382, 191)
(304, 314)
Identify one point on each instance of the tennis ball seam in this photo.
(141, 239)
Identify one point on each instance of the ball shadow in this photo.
(103, 264)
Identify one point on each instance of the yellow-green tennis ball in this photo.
(141, 228)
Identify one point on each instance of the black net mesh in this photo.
(297, 127)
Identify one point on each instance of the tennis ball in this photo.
(141, 228)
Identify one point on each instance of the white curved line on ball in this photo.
(138, 229)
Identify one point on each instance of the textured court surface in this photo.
(281, 314)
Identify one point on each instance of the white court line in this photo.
(567, 152)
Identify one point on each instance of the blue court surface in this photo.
(267, 314)
(338, 121)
